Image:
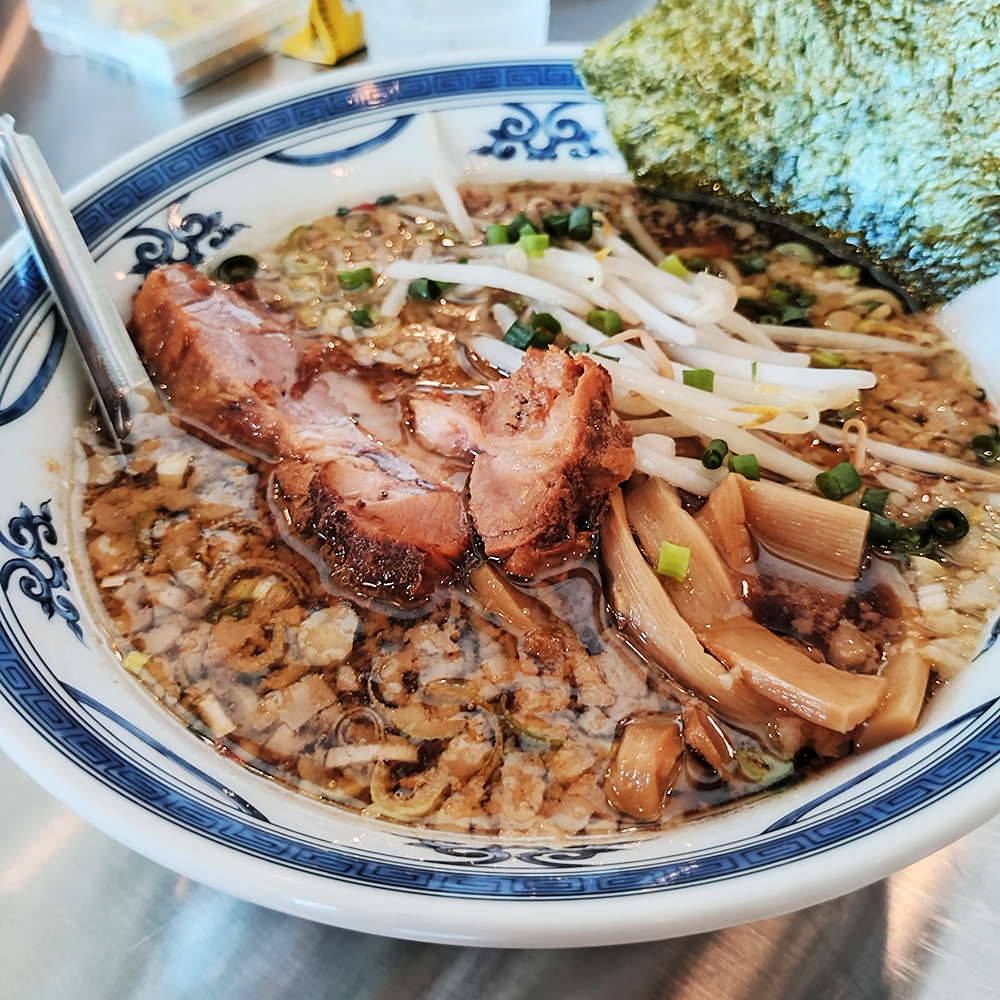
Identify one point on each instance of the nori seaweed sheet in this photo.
(875, 120)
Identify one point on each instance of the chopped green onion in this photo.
(581, 224)
(753, 371)
(779, 294)
(496, 235)
(365, 316)
(424, 288)
(881, 530)
(522, 336)
(793, 316)
(789, 296)
(837, 418)
(752, 263)
(745, 465)
(237, 611)
(914, 540)
(233, 270)
(699, 378)
(386, 199)
(534, 244)
(848, 272)
(986, 447)
(827, 359)
(578, 348)
(519, 335)
(798, 251)
(839, 482)
(557, 226)
(674, 560)
(547, 322)
(948, 525)
(750, 308)
(761, 768)
(357, 280)
(605, 320)
(874, 500)
(699, 264)
(715, 454)
(673, 265)
(518, 225)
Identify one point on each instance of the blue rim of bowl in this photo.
(971, 742)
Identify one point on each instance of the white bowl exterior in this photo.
(86, 730)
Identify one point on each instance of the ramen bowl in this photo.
(70, 715)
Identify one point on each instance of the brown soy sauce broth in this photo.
(197, 572)
(163, 626)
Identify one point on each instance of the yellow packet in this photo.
(333, 32)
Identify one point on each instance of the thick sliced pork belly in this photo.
(549, 452)
(230, 365)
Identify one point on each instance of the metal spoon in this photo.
(73, 278)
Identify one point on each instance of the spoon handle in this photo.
(72, 276)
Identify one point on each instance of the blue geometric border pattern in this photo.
(796, 814)
(237, 800)
(48, 715)
(290, 121)
(336, 155)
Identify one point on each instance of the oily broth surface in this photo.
(239, 634)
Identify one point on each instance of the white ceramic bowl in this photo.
(69, 714)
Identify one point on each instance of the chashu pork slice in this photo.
(228, 364)
(548, 452)
(222, 357)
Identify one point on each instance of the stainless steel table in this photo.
(83, 917)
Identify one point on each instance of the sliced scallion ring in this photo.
(700, 378)
(673, 561)
(607, 321)
(874, 500)
(534, 244)
(557, 226)
(746, 466)
(364, 317)
(496, 235)
(715, 454)
(547, 323)
(518, 226)
(581, 224)
(672, 264)
(839, 482)
(233, 270)
(519, 335)
(881, 531)
(948, 525)
(356, 280)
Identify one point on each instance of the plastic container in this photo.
(173, 45)
(401, 29)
